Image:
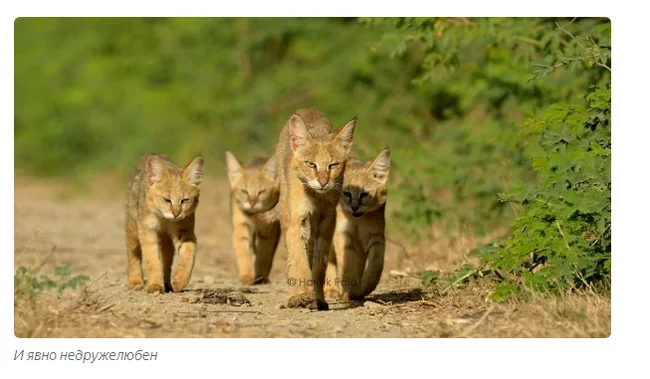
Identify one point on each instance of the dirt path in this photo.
(88, 234)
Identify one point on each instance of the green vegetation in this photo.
(562, 237)
(492, 122)
(482, 78)
(29, 284)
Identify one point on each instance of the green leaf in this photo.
(429, 278)
(504, 292)
(63, 270)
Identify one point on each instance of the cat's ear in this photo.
(193, 172)
(235, 168)
(270, 168)
(153, 168)
(381, 166)
(344, 135)
(298, 131)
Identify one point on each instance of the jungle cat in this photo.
(254, 189)
(357, 254)
(311, 158)
(160, 204)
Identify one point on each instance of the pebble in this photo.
(397, 274)
(193, 300)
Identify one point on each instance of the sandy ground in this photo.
(87, 233)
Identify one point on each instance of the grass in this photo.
(468, 313)
(462, 313)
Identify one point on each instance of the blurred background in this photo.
(449, 96)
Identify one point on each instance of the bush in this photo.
(562, 237)
(495, 71)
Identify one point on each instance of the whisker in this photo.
(337, 187)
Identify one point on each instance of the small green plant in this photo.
(29, 284)
(429, 278)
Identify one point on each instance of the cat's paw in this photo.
(331, 292)
(135, 284)
(246, 279)
(155, 287)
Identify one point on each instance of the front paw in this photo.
(352, 297)
(179, 283)
(319, 305)
(246, 279)
(260, 280)
(331, 292)
(155, 287)
(135, 284)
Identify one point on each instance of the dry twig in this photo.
(479, 322)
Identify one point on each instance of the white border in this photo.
(524, 358)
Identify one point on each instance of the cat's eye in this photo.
(310, 164)
(363, 194)
(183, 201)
(261, 191)
(334, 165)
(167, 200)
(243, 191)
(347, 194)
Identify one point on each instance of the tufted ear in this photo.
(381, 166)
(344, 135)
(298, 131)
(153, 169)
(235, 168)
(193, 172)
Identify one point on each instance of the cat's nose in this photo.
(323, 182)
(354, 209)
(175, 212)
(252, 203)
